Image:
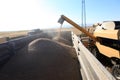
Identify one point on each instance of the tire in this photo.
(95, 52)
(116, 71)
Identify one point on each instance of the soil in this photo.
(43, 59)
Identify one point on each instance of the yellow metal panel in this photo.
(109, 52)
(111, 34)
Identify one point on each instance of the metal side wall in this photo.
(91, 68)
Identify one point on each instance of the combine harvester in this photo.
(104, 44)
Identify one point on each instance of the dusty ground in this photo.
(43, 59)
(73, 29)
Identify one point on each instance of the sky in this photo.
(43, 14)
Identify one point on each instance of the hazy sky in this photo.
(30, 14)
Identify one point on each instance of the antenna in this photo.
(83, 14)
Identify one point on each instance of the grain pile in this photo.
(62, 40)
(43, 59)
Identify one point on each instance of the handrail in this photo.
(91, 68)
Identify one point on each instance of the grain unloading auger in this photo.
(106, 39)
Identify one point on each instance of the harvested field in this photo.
(43, 59)
(13, 34)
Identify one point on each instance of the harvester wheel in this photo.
(95, 52)
(116, 71)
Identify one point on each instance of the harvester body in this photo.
(109, 34)
(106, 36)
